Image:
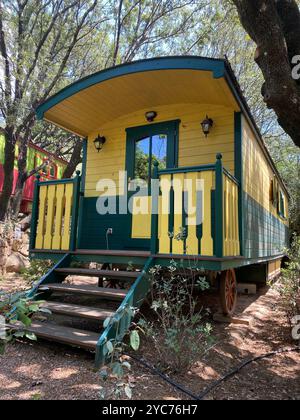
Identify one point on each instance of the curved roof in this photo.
(86, 104)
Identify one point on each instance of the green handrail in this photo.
(121, 321)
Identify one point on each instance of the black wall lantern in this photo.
(207, 125)
(99, 142)
(150, 116)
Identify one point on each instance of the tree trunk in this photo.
(269, 24)
(22, 163)
(8, 166)
(74, 161)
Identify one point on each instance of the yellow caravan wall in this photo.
(258, 174)
(194, 148)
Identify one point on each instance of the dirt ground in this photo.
(49, 371)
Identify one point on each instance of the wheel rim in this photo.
(228, 292)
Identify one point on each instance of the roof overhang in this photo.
(84, 106)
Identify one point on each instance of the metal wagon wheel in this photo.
(228, 292)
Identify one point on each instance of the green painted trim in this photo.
(238, 160)
(35, 213)
(187, 169)
(75, 212)
(57, 182)
(219, 203)
(216, 66)
(154, 215)
(84, 164)
(171, 128)
(231, 177)
(51, 277)
(122, 319)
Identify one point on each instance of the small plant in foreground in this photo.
(18, 307)
(118, 368)
(36, 270)
(289, 286)
(181, 336)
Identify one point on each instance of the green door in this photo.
(146, 145)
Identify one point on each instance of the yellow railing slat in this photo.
(192, 242)
(39, 244)
(50, 217)
(178, 184)
(67, 219)
(207, 246)
(57, 237)
(164, 241)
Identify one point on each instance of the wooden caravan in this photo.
(35, 158)
(181, 123)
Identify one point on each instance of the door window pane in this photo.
(159, 150)
(142, 158)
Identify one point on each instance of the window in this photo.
(52, 170)
(281, 204)
(149, 150)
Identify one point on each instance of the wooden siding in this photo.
(194, 147)
(266, 233)
(258, 174)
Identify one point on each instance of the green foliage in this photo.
(18, 307)
(36, 270)
(118, 368)
(181, 335)
(289, 287)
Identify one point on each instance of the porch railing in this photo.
(55, 214)
(198, 212)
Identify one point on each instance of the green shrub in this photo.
(36, 270)
(181, 336)
(289, 287)
(17, 307)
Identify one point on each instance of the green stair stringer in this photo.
(51, 276)
(120, 323)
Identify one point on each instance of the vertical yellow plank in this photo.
(60, 191)
(226, 216)
(178, 184)
(50, 217)
(238, 249)
(65, 243)
(192, 242)
(233, 251)
(164, 241)
(207, 241)
(39, 244)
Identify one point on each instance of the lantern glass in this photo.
(207, 125)
(99, 142)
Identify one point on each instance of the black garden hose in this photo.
(219, 381)
(163, 376)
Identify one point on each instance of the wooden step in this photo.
(78, 311)
(110, 274)
(108, 293)
(77, 338)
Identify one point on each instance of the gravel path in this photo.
(48, 371)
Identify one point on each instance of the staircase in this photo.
(79, 309)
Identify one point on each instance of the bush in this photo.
(13, 308)
(182, 336)
(289, 287)
(36, 270)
